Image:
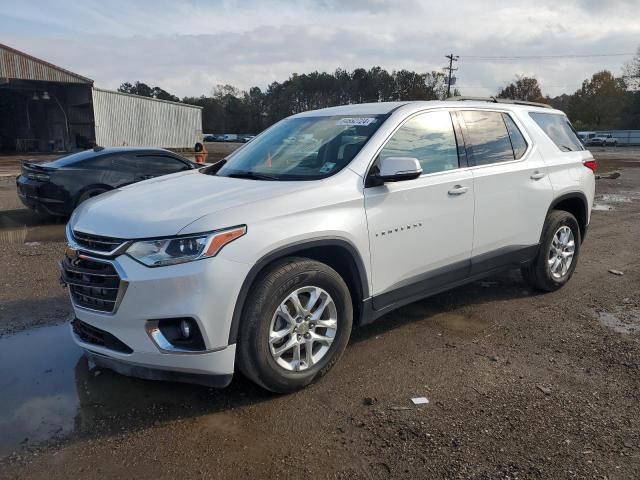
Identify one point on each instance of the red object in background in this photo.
(201, 157)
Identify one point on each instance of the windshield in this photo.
(305, 148)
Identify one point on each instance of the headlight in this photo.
(169, 251)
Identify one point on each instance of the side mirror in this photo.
(395, 169)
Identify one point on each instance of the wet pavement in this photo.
(24, 226)
(50, 391)
(39, 398)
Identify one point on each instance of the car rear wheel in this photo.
(558, 254)
(295, 326)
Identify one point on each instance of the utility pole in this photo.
(452, 58)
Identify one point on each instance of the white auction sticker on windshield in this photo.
(354, 121)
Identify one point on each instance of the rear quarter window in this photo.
(559, 130)
(518, 142)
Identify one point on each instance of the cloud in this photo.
(188, 47)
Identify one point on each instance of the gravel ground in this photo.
(520, 384)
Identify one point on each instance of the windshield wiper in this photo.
(567, 149)
(252, 175)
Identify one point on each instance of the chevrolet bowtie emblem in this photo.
(71, 253)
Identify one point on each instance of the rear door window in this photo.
(488, 135)
(559, 130)
(160, 165)
(125, 163)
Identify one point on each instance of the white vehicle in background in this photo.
(266, 261)
(230, 137)
(603, 140)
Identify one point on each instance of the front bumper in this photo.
(204, 290)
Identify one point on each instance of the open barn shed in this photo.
(46, 108)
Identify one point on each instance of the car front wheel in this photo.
(295, 326)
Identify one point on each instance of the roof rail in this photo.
(500, 100)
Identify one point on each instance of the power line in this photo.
(542, 57)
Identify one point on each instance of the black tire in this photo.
(94, 192)
(538, 273)
(270, 289)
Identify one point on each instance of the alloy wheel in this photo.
(561, 252)
(303, 328)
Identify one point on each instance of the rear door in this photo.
(421, 231)
(512, 189)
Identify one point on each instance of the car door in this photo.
(156, 165)
(120, 170)
(421, 230)
(512, 189)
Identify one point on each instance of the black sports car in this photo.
(57, 187)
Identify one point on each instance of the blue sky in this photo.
(187, 47)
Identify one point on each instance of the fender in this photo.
(289, 250)
(585, 205)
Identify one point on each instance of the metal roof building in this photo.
(46, 108)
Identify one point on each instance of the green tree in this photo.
(631, 73)
(599, 102)
(144, 90)
(157, 92)
(523, 88)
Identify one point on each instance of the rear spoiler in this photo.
(34, 167)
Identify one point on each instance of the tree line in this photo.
(602, 102)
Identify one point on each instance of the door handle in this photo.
(458, 190)
(537, 175)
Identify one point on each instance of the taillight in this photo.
(591, 165)
(38, 176)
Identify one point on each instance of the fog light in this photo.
(185, 329)
(176, 334)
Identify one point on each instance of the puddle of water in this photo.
(50, 391)
(603, 202)
(614, 198)
(13, 235)
(39, 397)
(22, 225)
(625, 322)
(602, 207)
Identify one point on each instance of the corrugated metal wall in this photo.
(19, 65)
(123, 119)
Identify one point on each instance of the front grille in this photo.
(95, 336)
(93, 284)
(97, 243)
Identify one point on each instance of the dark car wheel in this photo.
(94, 192)
(296, 324)
(558, 254)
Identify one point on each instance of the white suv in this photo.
(327, 220)
(603, 140)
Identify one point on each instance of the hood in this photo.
(163, 206)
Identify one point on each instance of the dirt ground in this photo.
(520, 384)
